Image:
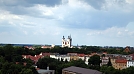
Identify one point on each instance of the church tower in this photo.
(68, 42)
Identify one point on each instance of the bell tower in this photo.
(68, 42)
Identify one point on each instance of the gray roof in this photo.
(81, 70)
(40, 71)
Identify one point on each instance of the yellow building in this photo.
(113, 61)
(121, 64)
(74, 57)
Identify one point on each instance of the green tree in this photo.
(78, 63)
(109, 62)
(44, 62)
(94, 60)
(26, 71)
(108, 70)
(103, 55)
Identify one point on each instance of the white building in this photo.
(128, 57)
(86, 59)
(64, 57)
(67, 43)
(104, 60)
(130, 63)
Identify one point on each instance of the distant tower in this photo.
(67, 43)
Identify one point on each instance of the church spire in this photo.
(63, 37)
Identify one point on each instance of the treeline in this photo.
(11, 61)
(83, 49)
(60, 50)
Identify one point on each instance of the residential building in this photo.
(127, 57)
(29, 47)
(45, 54)
(33, 58)
(81, 56)
(87, 57)
(73, 56)
(112, 59)
(121, 64)
(46, 46)
(104, 60)
(130, 63)
(127, 49)
(63, 57)
(132, 56)
(79, 70)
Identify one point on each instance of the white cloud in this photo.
(109, 24)
(5, 15)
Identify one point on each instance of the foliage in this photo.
(9, 55)
(11, 61)
(94, 60)
(56, 65)
(109, 62)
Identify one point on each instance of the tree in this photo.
(66, 61)
(94, 60)
(78, 63)
(109, 63)
(26, 71)
(43, 63)
(103, 55)
(108, 70)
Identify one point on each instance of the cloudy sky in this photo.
(89, 22)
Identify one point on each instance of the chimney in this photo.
(48, 68)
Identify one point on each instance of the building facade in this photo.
(121, 64)
(130, 63)
(67, 42)
(104, 60)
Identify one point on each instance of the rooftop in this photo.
(80, 70)
(41, 71)
(121, 61)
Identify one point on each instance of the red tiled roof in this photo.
(46, 54)
(34, 58)
(46, 47)
(120, 61)
(104, 52)
(81, 55)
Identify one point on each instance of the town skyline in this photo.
(90, 22)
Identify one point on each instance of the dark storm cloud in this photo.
(24, 7)
(28, 3)
(45, 2)
(98, 20)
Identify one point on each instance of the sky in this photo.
(89, 22)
